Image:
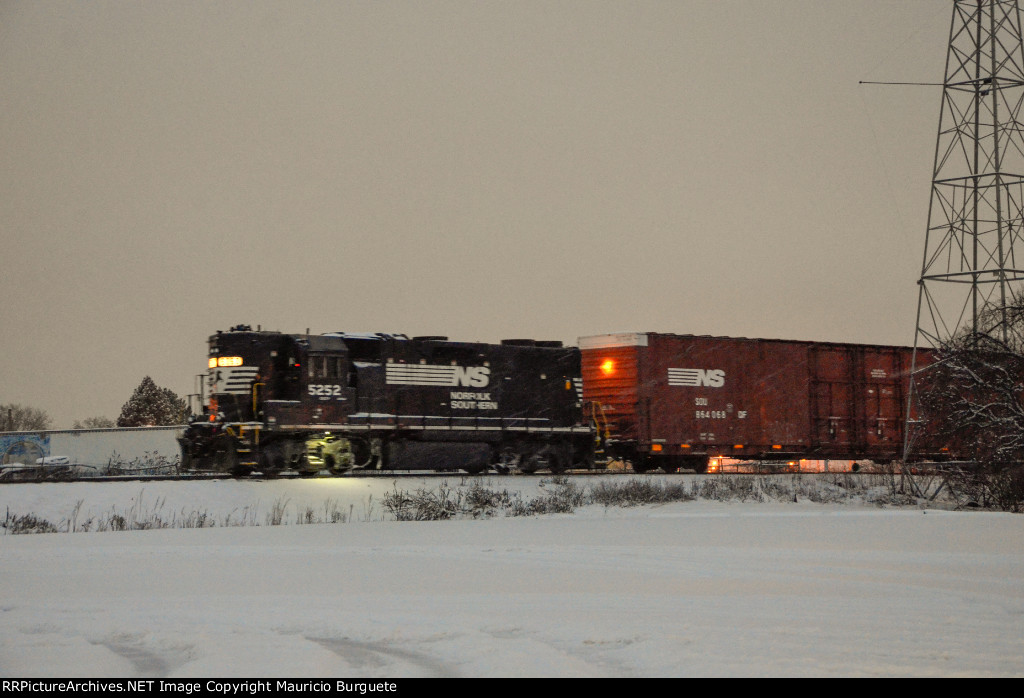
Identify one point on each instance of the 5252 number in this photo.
(325, 390)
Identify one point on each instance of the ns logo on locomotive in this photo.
(336, 402)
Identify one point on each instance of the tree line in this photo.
(149, 406)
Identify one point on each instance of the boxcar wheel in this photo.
(641, 464)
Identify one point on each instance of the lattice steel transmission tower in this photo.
(975, 238)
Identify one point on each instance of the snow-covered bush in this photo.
(636, 491)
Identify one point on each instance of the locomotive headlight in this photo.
(222, 361)
(213, 362)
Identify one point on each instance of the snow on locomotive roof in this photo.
(366, 335)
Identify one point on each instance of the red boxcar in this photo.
(672, 401)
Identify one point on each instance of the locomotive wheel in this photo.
(271, 460)
(531, 464)
(363, 456)
(507, 460)
(556, 461)
(548, 457)
(225, 459)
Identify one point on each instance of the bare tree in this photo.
(972, 399)
(23, 418)
(94, 423)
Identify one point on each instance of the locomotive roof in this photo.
(334, 341)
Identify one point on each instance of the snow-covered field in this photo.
(701, 588)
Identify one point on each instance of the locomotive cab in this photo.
(317, 384)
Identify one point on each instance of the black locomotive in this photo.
(279, 402)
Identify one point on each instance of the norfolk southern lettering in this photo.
(472, 401)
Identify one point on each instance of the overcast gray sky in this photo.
(480, 169)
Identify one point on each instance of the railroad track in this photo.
(68, 474)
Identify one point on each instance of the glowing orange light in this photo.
(213, 362)
(608, 367)
(656, 447)
(684, 445)
(229, 361)
(738, 446)
(777, 447)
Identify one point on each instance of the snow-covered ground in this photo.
(701, 588)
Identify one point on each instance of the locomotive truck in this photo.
(339, 401)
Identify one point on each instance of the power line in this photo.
(925, 84)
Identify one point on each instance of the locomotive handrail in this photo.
(255, 397)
